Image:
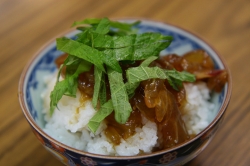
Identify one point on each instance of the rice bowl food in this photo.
(106, 110)
(71, 118)
(69, 124)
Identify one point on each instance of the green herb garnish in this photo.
(105, 44)
(68, 86)
(119, 96)
(175, 78)
(104, 111)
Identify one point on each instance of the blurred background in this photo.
(26, 25)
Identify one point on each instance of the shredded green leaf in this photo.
(175, 78)
(98, 80)
(106, 44)
(68, 86)
(119, 96)
(80, 50)
(101, 114)
(103, 91)
(114, 24)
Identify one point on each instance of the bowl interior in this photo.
(42, 64)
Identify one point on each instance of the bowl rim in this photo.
(40, 130)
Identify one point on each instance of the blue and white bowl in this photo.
(31, 86)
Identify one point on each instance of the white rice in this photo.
(69, 124)
(198, 109)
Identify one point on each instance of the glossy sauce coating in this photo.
(159, 105)
(156, 100)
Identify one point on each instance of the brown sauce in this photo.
(86, 82)
(156, 100)
(159, 105)
(115, 131)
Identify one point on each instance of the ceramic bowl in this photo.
(42, 64)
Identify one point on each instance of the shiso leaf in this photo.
(105, 110)
(104, 26)
(131, 87)
(149, 60)
(90, 21)
(84, 37)
(68, 86)
(131, 47)
(98, 74)
(103, 91)
(80, 50)
(59, 90)
(175, 78)
(105, 44)
(119, 96)
(110, 61)
(114, 24)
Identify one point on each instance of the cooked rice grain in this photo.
(69, 124)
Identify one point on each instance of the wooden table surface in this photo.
(26, 25)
